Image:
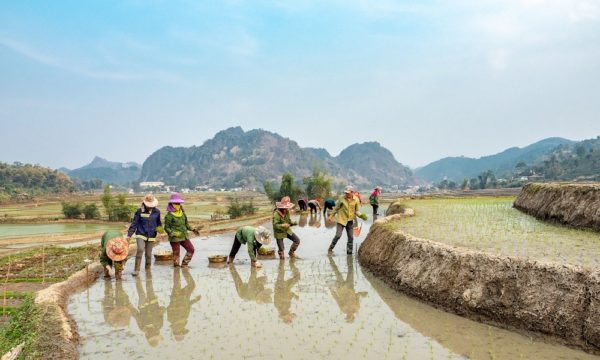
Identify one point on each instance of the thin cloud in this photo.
(43, 58)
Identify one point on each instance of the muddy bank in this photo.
(576, 205)
(557, 300)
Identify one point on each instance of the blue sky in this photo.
(427, 79)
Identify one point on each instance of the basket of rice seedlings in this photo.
(217, 259)
(163, 255)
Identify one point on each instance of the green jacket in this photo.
(245, 235)
(111, 234)
(346, 210)
(278, 221)
(177, 227)
(374, 199)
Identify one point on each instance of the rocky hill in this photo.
(108, 171)
(459, 168)
(238, 158)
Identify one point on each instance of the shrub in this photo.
(71, 210)
(91, 211)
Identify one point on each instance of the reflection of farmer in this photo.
(282, 227)
(114, 250)
(149, 315)
(315, 220)
(314, 205)
(328, 205)
(347, 209)
(303, 219)
(144, 225)
(343, 292)
(115, 305)
(181, 303)
(254, 238)
(283, 291)
(254, 289)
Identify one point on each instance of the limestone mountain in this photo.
(459, 168)
(238, 158)
(108, 171)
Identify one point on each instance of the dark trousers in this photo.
(313, 208)
(375, 208)
(338, 235)
(325, 208)
(187, 245)
(302, 205)
(236, 247)
(292, 237)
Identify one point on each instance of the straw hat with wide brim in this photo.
(285, 203)
(150, 201)
(117, 249)
(262, 235)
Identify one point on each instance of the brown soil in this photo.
(576, 205)
(552, 299)
(23, 287)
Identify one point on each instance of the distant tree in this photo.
(486, 178)
(91, 211)
(71, 210)
(317, 185)
(271, 194)
(465, 184)
(237, 209)
(288, 187)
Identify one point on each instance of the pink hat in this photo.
(285, 203)
(176, 199)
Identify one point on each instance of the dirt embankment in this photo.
(558, 300)
(576, 205)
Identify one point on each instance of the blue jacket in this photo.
(145, 224)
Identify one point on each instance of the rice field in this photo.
(493, 225)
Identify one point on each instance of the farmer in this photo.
(254, 238)
(374, 200)
(314, 205)
(177, 226)
(115, 249)
(303, 203)
(282, 227)
(328, 205)
(347, 209)
(145, 225)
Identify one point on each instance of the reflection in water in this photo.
(283, 291)
(343, 290)
(181, 303)
(254, 289)
(115, 305)
(329, 223)
(149, 315)
(303, 219)
(315, 220)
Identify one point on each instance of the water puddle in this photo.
(317, 307)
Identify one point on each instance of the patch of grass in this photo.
(22, 328)
(15, 294)
(49, 264)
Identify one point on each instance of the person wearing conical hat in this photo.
(144, 228)
(115, 249)
(282, 227)
(177, 227)
(253, 238)
(347, 209)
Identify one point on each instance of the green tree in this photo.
(317, 185)
(72, 210)
(91, 211)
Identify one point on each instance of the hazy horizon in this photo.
(427, 80)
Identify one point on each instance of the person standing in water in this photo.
(254, 238)
(347, 209)
(328, 205)
(313, 205)
(282, 227)
(145, 225)
(374, 200)
(177, 226)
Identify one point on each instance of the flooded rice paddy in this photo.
(15, 231)
(316, 307)
(493, 225)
